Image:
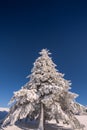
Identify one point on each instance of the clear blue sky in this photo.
(28, 26)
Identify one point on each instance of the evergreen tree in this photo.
(46, 96)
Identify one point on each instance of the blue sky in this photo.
(26, 27)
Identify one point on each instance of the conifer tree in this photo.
(46, 96)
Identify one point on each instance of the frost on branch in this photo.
(45, 96)
(25, 95)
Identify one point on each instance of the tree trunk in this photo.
(41, 122)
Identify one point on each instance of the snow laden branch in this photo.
(25, 95)
(23, 104)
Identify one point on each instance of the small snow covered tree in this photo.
(46, 96)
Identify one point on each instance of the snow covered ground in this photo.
(51, 126)
(83, 120)
(32, 126)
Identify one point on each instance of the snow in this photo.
(83, 120)
(4, 109)
(12, 128)
(51, 126)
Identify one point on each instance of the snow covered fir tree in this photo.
(46, 96)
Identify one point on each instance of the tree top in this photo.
(44, 52)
